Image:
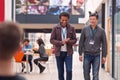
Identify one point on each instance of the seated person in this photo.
(42, 55)
(27, 47)
(10, 37)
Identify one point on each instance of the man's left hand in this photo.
(103, 60)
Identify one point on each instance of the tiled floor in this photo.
(51, 71)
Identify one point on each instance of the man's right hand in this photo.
(81, 58)
(63, 42)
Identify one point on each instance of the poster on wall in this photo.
(40, 11)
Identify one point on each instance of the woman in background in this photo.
(42, 55)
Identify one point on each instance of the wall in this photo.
(8, 9)
(90, 5)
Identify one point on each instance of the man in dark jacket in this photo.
(92, 38)
(63, 37)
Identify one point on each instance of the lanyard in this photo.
(92, 33)
(64, 31)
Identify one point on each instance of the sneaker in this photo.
(30, 72)
(42, 69)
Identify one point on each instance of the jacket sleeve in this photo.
(104, 44)
(81, 42)
(73, 39)
(53, 39)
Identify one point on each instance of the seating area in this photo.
(18, 60)
(50, 72)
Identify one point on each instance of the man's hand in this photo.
(103, 60)
(81, 58)
(63, 42)
(67, 40)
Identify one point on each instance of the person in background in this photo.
(92, 39)
(10, 37)
(27, 47)
(63, 37)
(77, 10)
(42, 55)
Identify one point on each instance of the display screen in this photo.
(47, 11)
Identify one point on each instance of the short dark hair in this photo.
(64, 14)
(26, 40)
(93, 14)
(10, 37)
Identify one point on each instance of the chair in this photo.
(49, 52)
(46, 63)
(18, 56)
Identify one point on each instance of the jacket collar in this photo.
(95, 27)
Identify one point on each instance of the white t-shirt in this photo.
(64, 36)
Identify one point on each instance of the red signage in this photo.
(2, 10)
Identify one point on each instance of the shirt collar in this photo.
(95, 27)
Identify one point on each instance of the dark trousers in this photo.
(40, 59)
(60, 65)
(29, 61)
(94, 61)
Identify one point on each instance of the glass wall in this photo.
(117, 40)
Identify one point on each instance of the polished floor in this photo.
(50, 72)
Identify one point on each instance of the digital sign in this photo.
(47, 11)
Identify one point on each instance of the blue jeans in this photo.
(94, 61)
(60, 65)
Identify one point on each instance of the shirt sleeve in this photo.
(41, 49)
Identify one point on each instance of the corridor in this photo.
(51, 71)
